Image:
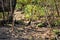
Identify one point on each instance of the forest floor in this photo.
(31, 32)
(27, 33)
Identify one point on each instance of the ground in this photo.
(26, 33)
(23, 32)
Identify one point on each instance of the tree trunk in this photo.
(56, 7)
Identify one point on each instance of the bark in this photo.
(56, 7)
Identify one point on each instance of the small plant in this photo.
(33, 11)
(56, 31)
(41, 25)
(57, 22)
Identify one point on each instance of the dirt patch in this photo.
(26, 33)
